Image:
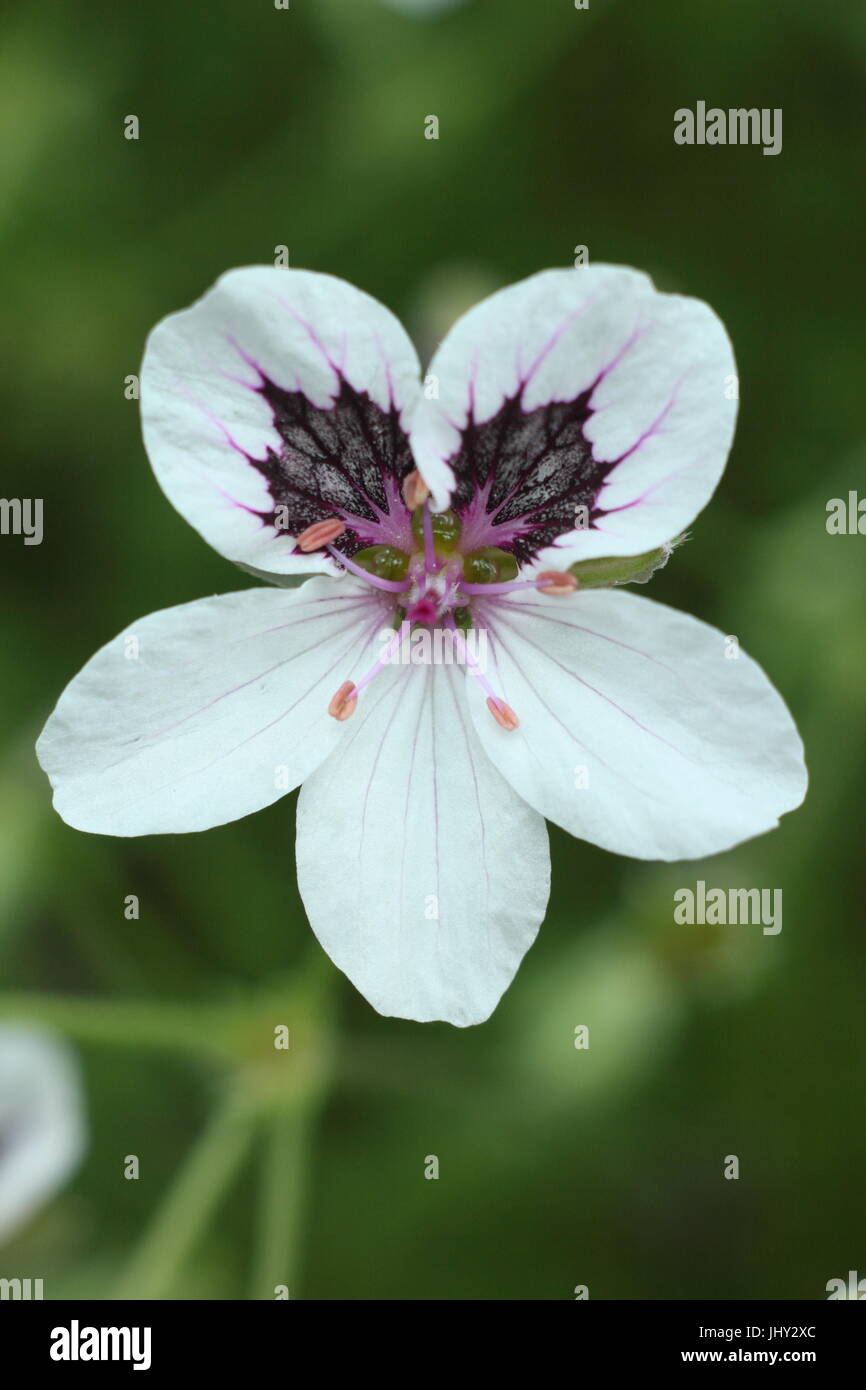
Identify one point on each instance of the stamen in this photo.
(502, 713)
(320, 533)
(386, 657)
(346, 699)
(431, 561)
(391, 586)
(344, 702)
(505, 587)
(415, 490)
(558, 583)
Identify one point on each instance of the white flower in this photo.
(42, 1131)
(576, 415)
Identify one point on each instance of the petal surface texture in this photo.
(636, 732)
(200, 714)
(424, 875)
(274, 402)
(593, 413)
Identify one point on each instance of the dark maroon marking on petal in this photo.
(522, 474)
(347, 460)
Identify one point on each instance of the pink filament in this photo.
(431, 563)
(384, 659)
(505, 587)
(469, 659)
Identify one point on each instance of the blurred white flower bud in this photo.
(42, 1124)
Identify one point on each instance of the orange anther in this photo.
(415, 490)
(503, 714)
(344, 702)
(558, 583)
(320, 533)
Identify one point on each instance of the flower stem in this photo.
(209, 1168)
(282, 1193)
(117, 1022)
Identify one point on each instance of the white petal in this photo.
(42, 1129)
(205, 417)
(200, 714)
(622, 399)
(685, 751)
(424, 876)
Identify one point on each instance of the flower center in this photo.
(434, 587)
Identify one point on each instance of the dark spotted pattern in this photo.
(333, 462)
(539, 469)
(535, 469)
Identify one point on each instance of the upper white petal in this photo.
(663, 398)
(199, 714)
(202, 415)
(637, 732)
(423, 874)
(42, 1126)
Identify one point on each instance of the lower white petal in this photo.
(638, 730)
(425, 877)
(200, 714)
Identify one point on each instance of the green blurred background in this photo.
(559, 1167)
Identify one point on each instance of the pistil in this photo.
(440, 578)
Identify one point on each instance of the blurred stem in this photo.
(118, 1022)
(291, 1113)
(282, 1195)
(198, 1187)
(281, 1089)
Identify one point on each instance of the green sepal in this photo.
(622, 569)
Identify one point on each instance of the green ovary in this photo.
(489, 565)
(446, 529)
(383, 560)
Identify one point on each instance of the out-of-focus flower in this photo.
(42, 1124)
